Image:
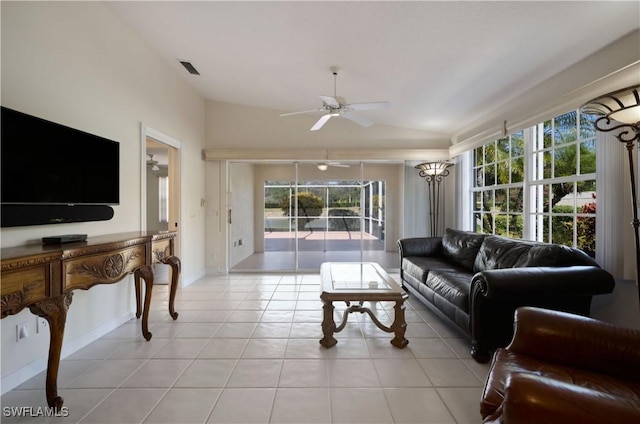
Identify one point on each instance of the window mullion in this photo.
(529, 195)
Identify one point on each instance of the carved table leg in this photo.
(138, 298)
(328, 324)
(399, 325)
(174, 263)
(146, 274)
(54, 310)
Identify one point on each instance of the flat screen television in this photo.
(44, 163)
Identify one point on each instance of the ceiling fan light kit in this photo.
(335, 106)
(324, 166)
(152, 163)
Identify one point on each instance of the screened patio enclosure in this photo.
(320, 216)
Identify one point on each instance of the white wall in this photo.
(237, 126)
(611, 68)
(77, 64)
(242, 212)
(216, 228)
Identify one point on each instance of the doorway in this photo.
(161, 190)
(319, 221)
(158, 195)
(293, 217)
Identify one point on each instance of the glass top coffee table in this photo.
(360, 282)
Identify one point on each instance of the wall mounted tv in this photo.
(48, 168)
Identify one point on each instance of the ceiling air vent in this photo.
(189, 67)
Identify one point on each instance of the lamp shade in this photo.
(621, 105)
(433, 168)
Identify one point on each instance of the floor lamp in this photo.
(620, 111)
(434, 173)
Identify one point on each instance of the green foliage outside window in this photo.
(587, 228)
(310, 207)
(566, 150)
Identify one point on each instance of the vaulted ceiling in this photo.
(441, 65)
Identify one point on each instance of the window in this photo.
(163, 199)
(563, 182)
(547, 171)
(498, 187)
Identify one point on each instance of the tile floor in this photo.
(245, 350)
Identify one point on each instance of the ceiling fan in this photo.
(153, 164)
(325, 165)
(335, 106)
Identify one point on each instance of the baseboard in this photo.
(19, 376)
(215, 271)
(188, 280)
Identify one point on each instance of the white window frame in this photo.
(532, 186)
(494, 187)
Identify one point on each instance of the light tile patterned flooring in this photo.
(245, 350)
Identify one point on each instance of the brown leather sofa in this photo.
(477, 281)
(564, 368)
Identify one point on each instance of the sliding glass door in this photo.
(331, 215)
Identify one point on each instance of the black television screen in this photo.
(48, 163)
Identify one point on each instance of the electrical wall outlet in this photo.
(42, 325)
(22, 332)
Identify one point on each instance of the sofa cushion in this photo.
(544, 254)
(499, 252)
(418, 266)
(461, 247)
(452, 286)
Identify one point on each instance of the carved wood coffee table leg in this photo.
(174, 263)
(146, 274)
(328, 324)
(399, 325)
(54, 310)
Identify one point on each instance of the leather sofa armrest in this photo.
(420, 246)
(533, 399)
(578, 342)
(542, 281)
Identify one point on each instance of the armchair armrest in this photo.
(577, 341)
(542, 281)
(420, 246)
(533, 399)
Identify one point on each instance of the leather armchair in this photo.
(564, 368)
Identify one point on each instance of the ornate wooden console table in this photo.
(43, 277)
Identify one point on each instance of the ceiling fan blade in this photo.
(369, 106)
(323, 120)
(303, 111)
(357, 119)
(330, 101)
(338, 164)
